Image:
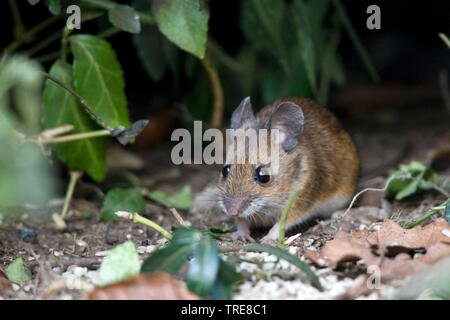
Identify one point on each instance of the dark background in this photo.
(405, 51)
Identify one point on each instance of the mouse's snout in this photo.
(236, 205)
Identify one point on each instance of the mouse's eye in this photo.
(261, 176)
(226, 171)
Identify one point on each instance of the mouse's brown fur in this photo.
(324, 164)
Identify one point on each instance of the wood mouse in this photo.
(316, 156)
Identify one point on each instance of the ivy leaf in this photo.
(423, 177)
(168, 259)
(54, 6)
(227, 276)
(204, 267)
(129, 200)
(121, 263)
(99, 79)
(17, 271)
(283, 254)
(181, 200)
(185, 23)
(171, 257)
(59, 108)
(125, 18)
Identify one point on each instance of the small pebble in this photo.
(81, 243)
(15, 286)
(28, 235)
(111, 239)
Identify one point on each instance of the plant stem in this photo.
(445, 39)
(430, 213)
(135, 217)
(217, 52)
(217, 89)
(74, 176)
(81, 100)
(284, 216)
(19, 27)
(44, 43)
(143, 17)
(76, 136)
(30, 33)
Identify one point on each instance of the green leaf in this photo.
(169, 259)
(185, 235)
(121, 263)
(181, 200)
(148, 44)
(423, 176)
(129, 200)
(54, 6)
(125, 18)
(227, 276)
(262, 23)
(99, 78)
(204, 267)
(185, 23)
(447, 211)
(59, 108)
(33, 2)
(25, 174)
(306, 41)
(283, 254)
(17, 272)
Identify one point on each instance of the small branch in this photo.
(430, 213)
(373, 189)
(81, 100)
(218, 53)
(73, 137)
(178, 217)
(30, 33)
(445, 91)
(217, 89)
(51, 133)
(74, 176)
(19, 27)
(284, 217)
(135, 217)
(44, 43)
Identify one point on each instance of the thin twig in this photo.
(19, 27)
(30, 33)
(373, 189)
(74, 176)
(76, 136)
(80, 99)
(217, 90)
(178, 217)
(135, 217)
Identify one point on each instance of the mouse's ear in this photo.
(243, 117)
(288, 118)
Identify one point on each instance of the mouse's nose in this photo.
(235, 206)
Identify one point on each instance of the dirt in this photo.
(48, 253)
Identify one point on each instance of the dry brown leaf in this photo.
(145, 286)
(396, 251)
(5, 284)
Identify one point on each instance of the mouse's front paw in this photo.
(243, 236)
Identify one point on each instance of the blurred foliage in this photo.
(413, 178)
(290, 48)
(25, 174)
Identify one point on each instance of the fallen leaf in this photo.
(149, 286)
(396, 251)
(5, 284)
